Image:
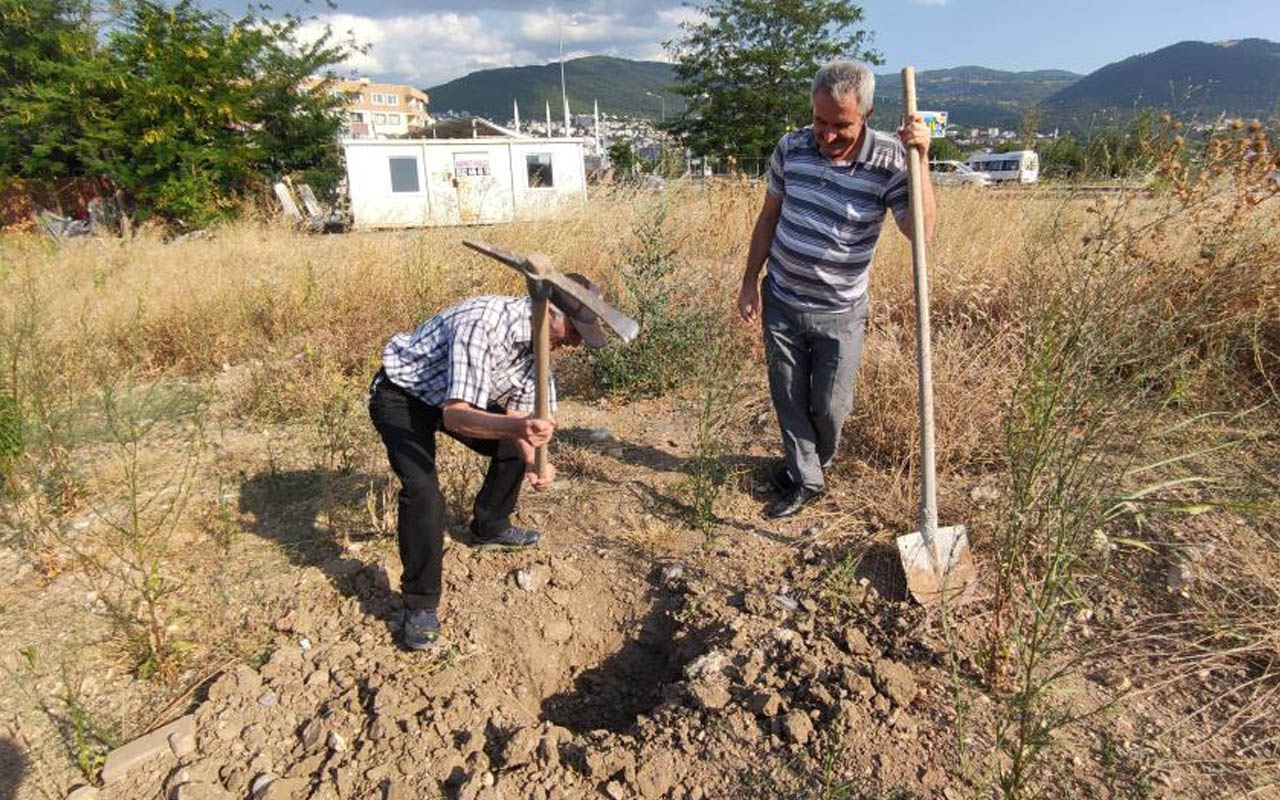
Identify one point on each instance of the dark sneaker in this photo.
(513, 538)
(782, 480)
(790, 503)
(421, 629)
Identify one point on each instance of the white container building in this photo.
(407, 183)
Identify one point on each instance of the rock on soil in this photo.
(895, 681)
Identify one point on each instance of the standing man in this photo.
(469, 371)
(829, 187)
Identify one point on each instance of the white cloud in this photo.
(547, 27)
(422, 49)
(683, 14)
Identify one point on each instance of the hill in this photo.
(1192, 79)
(617, 83)
(972, 96)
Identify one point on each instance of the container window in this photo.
(539, 167)
(404, 173)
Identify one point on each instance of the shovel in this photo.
(540, 276)
(937, 561)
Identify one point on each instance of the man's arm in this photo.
(528, 433)
(465, 419)
(916, 135)
(761, 241)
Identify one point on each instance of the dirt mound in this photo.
(616, 677)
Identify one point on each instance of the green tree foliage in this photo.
(623, 158)
(945, 150)
(44, 45)
(745, 71)
(186, 109)
(1061, 158)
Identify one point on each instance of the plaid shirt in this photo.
(479, 351)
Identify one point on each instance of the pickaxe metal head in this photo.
(537, 267)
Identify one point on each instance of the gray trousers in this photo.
(813, 360)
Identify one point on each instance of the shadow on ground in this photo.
(753, 470)
(13, 768)
(308, 514)
(634, 679)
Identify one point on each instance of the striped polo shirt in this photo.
(831, 217)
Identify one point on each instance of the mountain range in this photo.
(1192, 79)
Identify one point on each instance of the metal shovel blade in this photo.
(957, 580)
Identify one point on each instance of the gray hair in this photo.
(845, 78)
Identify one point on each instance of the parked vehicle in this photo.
(1018, 166)
(954, 173)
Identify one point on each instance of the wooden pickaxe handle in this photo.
(539, 293)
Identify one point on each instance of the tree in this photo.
(623, 158)
(745, 71)
(1061, 158)
(188, 110)
(945, 150)
(44, 47)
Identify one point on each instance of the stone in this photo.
(182, 743)
(710, 694)
(260, 783)
(313, 735)
(855, 642)
(767, 702)
(672, 573)
(143, 749)
(519, 747)
(201, 791)
(83, 793)
(797, 726)
(614, 790)
(656, 776)
(533, 578)
(268, 699)
(558, 631)
(895, 681)
(707, 665)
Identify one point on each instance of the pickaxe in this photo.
(540, 276)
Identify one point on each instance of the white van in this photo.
(1020, 166)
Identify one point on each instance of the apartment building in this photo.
(380, 110)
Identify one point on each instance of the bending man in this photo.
(469, 372)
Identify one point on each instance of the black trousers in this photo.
(408, 428)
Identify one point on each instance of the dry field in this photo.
(199, 518)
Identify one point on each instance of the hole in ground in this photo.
(631, 681)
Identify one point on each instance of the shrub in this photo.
(672, 332)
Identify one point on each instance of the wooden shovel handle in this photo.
(919, 263)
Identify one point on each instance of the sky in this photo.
(428, 42)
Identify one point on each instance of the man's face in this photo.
(836, 125)
(563, 334)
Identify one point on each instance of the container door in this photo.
(479, 195)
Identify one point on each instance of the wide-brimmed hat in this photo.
(584, 320)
